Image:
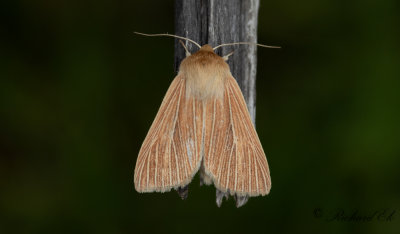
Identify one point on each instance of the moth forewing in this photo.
(169, 156)
(234, 157)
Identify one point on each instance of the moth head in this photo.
(207, 47)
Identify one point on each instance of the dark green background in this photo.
(78, 92)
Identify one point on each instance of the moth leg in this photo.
(183, 192)
(220, 196)
(241, 200)
(227, 56)
(186, 49)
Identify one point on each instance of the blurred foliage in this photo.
(78, 92)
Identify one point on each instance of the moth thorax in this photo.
(205, 86)
(205, 76)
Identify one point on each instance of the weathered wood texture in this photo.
(216, 22)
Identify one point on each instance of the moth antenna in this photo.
(246, 43)
(168, 35)
(186, 49)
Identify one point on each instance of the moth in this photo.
(203, 124)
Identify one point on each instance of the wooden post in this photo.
(222, 21)
(216, 22)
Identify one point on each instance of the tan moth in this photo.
(203, 124)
